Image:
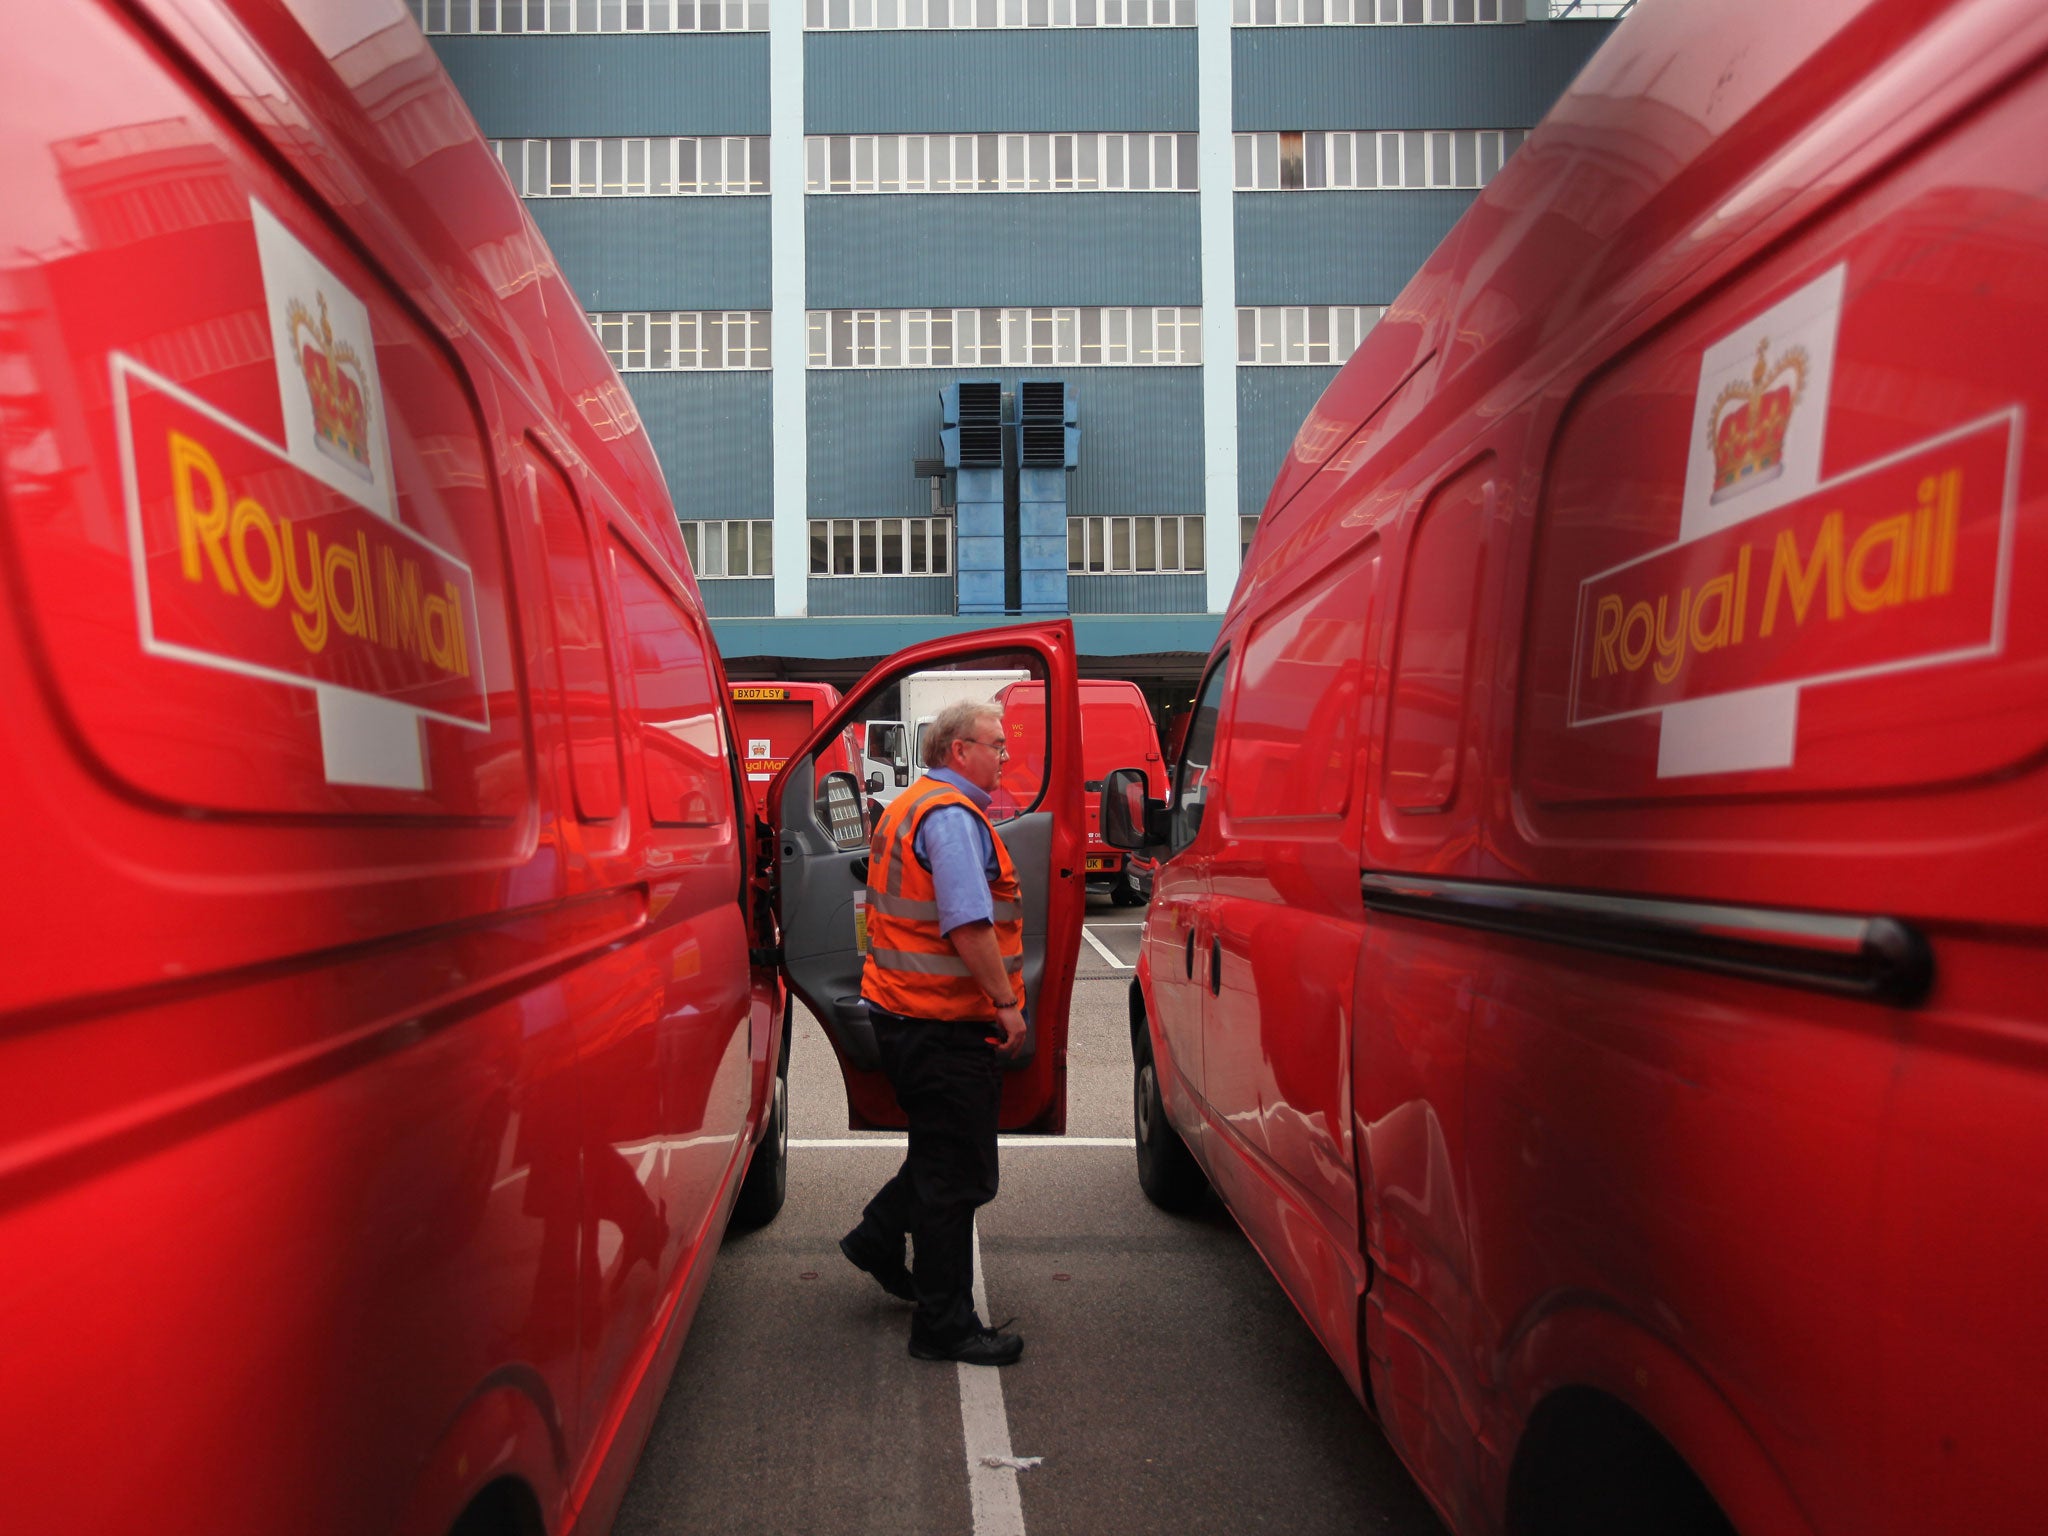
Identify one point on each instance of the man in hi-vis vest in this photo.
(944, 986)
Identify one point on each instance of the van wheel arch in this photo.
(506, 1507)
(1587, 1464)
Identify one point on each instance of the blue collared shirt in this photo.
(957, 848)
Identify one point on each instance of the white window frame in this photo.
(1064, 336)
(1001, 15)
(1302, 335)
(731, 165)
(922, 164)
(1118, 546)
(512, 18)
(1386, 13)
(1373, 160)
(686, 340)
(865, 546)
(709, 543)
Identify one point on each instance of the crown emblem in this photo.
(334, 380)
(1746, 427)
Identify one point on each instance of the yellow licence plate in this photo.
(1095, 864)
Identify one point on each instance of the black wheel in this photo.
(1167, 1171)
(767, 1182)
(1124, 896)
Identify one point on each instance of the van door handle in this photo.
(1216, 967)
(1191, 954)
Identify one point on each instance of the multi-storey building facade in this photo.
(796, 222)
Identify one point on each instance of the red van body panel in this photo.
(1116, 732)
(382, 1043)
(779, 718)
(1624, 933)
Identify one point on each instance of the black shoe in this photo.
(984, 1346)
(891, 1274)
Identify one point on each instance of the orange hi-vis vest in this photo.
(911, 969)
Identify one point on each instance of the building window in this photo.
(1133, 546)
(1000, 162)
(894, 15)
(666, 167)
(1366, 13)
(1005, 338)
(506, 17)
(881, 546)
(1372, 160)
(727, 549)
(684, 340)
(1278, 334)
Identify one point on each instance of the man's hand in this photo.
(1011, 1022)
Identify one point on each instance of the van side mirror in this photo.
(874, 784)
(1129, 818)
(842, 810)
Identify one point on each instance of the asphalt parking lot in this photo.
(1167, 1383)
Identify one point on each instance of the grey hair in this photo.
(951, 724)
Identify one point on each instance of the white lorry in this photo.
(892, 750)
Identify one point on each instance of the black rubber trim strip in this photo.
(1881, 958)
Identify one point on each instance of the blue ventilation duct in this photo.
(971, 430)
(1048, 448)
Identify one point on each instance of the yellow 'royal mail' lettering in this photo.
(1866, 571)
(249, 562)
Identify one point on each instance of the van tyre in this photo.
(767, 1182)
(1125, 896)
(1167, 1171)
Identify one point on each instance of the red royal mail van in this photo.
(1600, 953)
(1116, 732)
(771, 720)
(390, 1021)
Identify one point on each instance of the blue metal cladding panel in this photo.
(1138, 594)
(585, 86)
(1272, 403)
(916, 251)
(838, 596)
(752, 598)
(1060, 80)
(1405, 77)
(714, 434)
(1141, 449)
(1337, 247)
(660, 252)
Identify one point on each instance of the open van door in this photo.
(820, 862)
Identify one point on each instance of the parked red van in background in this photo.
(390, 1023)
(1116, 732)
(772, 720)
(1600, 953)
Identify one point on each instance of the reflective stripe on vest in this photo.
(911, 969)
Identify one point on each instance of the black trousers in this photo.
(950, 1083)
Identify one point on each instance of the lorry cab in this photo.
(1597, 949)
(893, 748)
(770, 720)
(1116, 732)
(391, 965)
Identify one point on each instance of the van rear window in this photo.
(682, 742)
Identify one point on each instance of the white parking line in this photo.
(1102, 949)
(985, 1427)
(1136, 922)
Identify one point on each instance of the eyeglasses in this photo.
(1000, 747)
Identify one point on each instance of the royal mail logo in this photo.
(245, 562)
(1780, 581)
(326, 355)
(336, 388)
(1747, 424)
